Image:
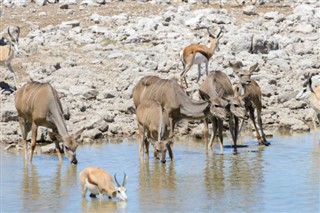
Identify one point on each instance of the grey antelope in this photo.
(251, 91)
(154, 120)
(218, 85)
(8, 49)
(313, 97)
(100, 182)
(172, 98)
(38, 104)
(198, 54)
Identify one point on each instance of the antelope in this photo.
(9, 49)
(198, 54)
(172, 98)
(154, 120)
(218, 85)
(98, 181)
(313, 97)
(38, 104)
(251, 91)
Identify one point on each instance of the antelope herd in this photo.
(160, 104)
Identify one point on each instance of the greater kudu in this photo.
(38, 104)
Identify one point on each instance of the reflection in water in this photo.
(50, 184)
(105, 205)
(239, 177)
(156, 182)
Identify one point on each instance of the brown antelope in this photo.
(154, 120)
(172, 98)
(313, 97)
(218, 85)
(251, 91)
(198, 54)
(8, 49)
(100, 182)
(38, 104)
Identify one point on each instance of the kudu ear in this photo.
(236, 66)
(220, 93)
(78, 133)
(253, 68)
(55, 136)
(204, 95)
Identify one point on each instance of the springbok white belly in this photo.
(92, 188)
(199, 59)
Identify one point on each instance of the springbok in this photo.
(154, 120)
(313, 97)
(198, 54)
(38, 104)
(172, 98)
(251, 91)
(218, 85)
(98, 181)
(8, 49)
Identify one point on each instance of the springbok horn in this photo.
(115, 179)
(124, 179)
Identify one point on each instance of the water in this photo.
(284, 177)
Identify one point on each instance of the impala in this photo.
(38, 104)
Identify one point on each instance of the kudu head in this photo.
(14, 33)
(160, 149)
(217, 104)
(236, 106)
(120, 189)
(215, 39)
(69, 144)
(244, 76)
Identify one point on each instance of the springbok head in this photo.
(243, 75)
(215, 39)
(307, 87)
(121, 189)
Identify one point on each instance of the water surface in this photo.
(284, 177)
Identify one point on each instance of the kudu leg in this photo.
(141, 141)
(264, 140)
(33, 139)
(206, 128)
(220, 133)
(232, 126)
(252, 117)
(214, 132)
(25, 128)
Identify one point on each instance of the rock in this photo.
(250, 10)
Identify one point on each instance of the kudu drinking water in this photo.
(38, 104)
(153, 120)
(217, 85)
